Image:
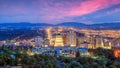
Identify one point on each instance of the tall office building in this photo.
(99, 42)
(71, 38)
(38, 41)
(58, 41)
(49, 34)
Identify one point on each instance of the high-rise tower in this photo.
(48, 31)
(71, 38)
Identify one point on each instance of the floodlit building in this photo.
(116, 51)
(58, 41)
(107, 45)
(99, 42)
(71, 38)
(49, 34)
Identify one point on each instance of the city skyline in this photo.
(58, 11)
(59, 33)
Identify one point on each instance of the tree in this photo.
(75, 65)
(49, 65)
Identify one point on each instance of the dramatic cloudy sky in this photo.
(57, 11)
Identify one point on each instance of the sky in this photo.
(59, 11)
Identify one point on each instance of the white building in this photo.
(58, 41)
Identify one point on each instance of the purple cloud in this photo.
(51, 11)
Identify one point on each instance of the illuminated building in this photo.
(2, 43)
(99, 42)
(80, 40)
(107, 44)
(58, 41)
(52, 42)
(116, 51)
(64, 39)
(30, 53)
(71, 38)
(49, 34)
(84, 45)
(60, 29)
(90, 46)
(48, 31)
(46, 43)
(38, 41)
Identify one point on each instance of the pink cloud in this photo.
(66, 9)
(54, 10)
(92, 6)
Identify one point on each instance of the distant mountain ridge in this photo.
(72, 24)
(23, 24)
(92, 26)
(68, 24)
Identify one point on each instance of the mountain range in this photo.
(68, 24)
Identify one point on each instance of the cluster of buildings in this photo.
(64, 41)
